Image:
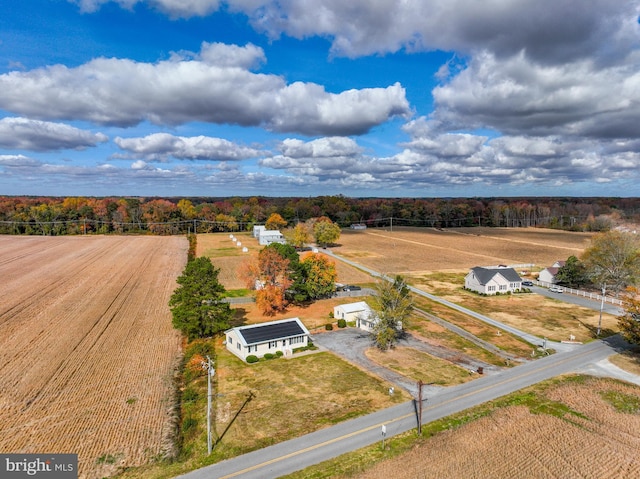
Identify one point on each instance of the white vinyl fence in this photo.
(578, 292)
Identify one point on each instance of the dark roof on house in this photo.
(485, 275)
(271, 331)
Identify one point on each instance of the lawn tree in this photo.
(319, 276)
(298, 236)
(196, 304)
(572, 274)
(612, 261)
(275, 222)
(271, 300)
(274, 281)
(325, 232)
(392, 305)
(629, 323)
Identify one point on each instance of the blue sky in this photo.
(420, 98)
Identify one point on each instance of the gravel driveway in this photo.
(351, 343)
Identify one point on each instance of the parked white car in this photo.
(556, 289)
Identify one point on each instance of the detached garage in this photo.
(258, 339)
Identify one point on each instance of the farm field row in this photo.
(87, 349)
(410, 250)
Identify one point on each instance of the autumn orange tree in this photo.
(275, 222)
(629, 323)
(272, 277)
(281, 278)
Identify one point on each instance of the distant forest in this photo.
(120, 215)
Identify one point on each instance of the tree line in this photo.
(119, 215)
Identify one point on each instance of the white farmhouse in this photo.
(271, 236)
(258, 339)
(359, 312)
(257, 229)
(493, 279)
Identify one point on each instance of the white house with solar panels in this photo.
(258, 339)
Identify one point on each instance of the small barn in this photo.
(359, 312)
(493, 279)
(258, 339)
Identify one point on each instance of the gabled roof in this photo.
(553, 270)
(271, 331)
(355, 307)
(485, 275)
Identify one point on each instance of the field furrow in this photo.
(88, 369)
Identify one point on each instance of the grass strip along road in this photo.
(293, 455)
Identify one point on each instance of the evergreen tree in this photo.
(196, 305)
(572, 274)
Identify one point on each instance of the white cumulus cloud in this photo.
(159, 146)
(122, 92)
(25, 134)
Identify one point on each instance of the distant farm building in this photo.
(259, 339)
(492, 280)
(266, 237)
(257, 229)
(548, 275)
(271, 236)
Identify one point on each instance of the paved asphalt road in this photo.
(290, 456)
(579, 300)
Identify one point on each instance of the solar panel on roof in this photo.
(270, 332)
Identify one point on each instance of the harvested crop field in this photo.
(406, 250)
(87, 349)
(586, 430)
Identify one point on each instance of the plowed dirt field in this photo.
(87, 347)
(596, 436)
(410, 250)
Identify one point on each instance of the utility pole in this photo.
(420, 384)
(420, 400)
(207, 366)
(604, 291)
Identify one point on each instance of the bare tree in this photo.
(612, 261)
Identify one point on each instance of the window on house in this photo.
(230, 340)
(491, 288)
(273, 344)
(503, 287)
